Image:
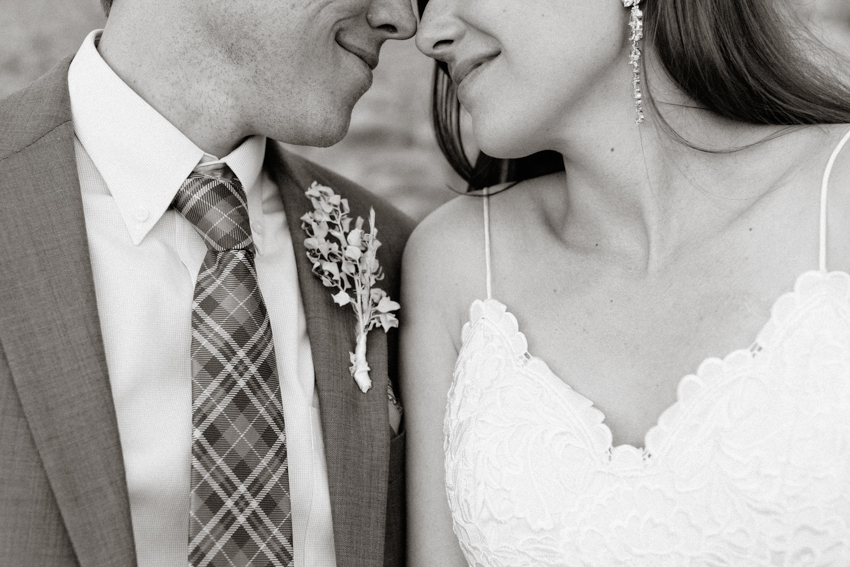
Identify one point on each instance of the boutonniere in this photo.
(344, 258)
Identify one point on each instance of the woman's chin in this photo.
(505, 139)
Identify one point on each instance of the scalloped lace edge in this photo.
(806, 286)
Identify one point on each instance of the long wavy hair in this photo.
(737, 58)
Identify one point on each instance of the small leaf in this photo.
(320, 230)
(353, 253)
(331, 268)
(349, 267)
(386, 305)
(342, 298)
(355, 237)
(313, 190)
(344, 283)
(388, 321)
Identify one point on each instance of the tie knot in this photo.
(217, 208)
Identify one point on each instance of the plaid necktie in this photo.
(240, 508)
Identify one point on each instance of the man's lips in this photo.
(371, 59)
(460, 71)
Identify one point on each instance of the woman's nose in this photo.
(439, 29)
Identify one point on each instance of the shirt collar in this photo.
(142, 157)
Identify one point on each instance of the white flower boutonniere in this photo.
(344, 258)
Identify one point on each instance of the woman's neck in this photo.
(640, 187)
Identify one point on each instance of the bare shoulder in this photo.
(835, 137)
(838, 202)
(456, 227)
(836, 134)
(459, 224)
(444, 263)
(443, 266)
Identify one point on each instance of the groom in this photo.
(140, 427)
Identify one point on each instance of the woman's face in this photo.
(526, 70)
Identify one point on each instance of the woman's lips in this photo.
(462, 70)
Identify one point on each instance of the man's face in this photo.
(296, 68)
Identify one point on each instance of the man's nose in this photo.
(394, 17)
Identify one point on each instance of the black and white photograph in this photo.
(425, 283)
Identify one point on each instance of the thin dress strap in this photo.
(486, 201)
(823, 198)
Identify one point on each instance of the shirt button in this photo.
(256, 228)
(142, 214)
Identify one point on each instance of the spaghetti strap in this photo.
(823, 199)
(486, 201)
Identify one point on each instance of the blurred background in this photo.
(390, 148)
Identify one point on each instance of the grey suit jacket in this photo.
(63, 495)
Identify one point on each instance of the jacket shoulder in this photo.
(31, 113)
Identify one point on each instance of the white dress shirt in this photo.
(146, 258)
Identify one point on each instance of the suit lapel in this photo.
(355, 427)
(50, 330)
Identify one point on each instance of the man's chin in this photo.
(327, 141)
(323, 134)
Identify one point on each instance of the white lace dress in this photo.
(750, 467)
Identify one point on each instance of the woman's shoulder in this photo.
(830, 160)
(837, 178)
(460, 222)
(446, 252)
(455, 225)
(446, 249)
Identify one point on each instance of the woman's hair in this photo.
(737, 58)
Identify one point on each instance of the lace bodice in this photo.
(750, 467)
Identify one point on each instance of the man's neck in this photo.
(147, 50)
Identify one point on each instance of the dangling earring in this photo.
(636, 26)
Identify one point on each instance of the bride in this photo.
(636, 353)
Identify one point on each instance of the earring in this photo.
(636, 34)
